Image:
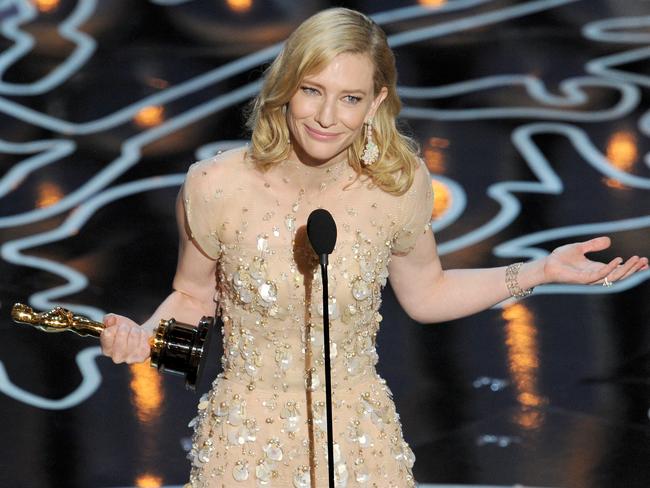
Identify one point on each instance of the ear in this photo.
(381, 96)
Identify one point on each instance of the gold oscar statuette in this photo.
(176, 348)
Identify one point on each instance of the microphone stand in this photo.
(328, 370)
(321, 231)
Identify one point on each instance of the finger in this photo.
(106, 340)
(133, 345)
(599, 275)
(621, 271)
(596, 244)
(120, 343)
(145, 347)
(110, 320)
(639, 265)
(141, 349)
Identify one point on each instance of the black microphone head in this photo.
(321, 231)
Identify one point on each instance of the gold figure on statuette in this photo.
(175, 347)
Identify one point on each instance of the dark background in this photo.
(551, 391)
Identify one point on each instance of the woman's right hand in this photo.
(124, 341)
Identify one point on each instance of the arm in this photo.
(430, 294)
(194, 282)
(192, 297)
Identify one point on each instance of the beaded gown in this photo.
(263, 423)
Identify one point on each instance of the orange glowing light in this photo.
(48, 194)
(623, 153)
(529, 419)
(432, 3)
(158, 83)
(240, 6)
(612, 183)
(441, 199)
(46, 5)
(523, 362)
(150, 116)
(438, 142)
(622, 150)
(148, 481)
(434, 159)
(434, 155)
(147, 391)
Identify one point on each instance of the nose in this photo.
(326, 113)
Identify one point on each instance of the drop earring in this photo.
(370, 150)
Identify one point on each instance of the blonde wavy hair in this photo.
(311, 47)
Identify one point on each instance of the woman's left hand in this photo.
(568, 264)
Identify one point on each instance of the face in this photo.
(327, 112)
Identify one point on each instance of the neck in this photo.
(314, 178)
(299, 155)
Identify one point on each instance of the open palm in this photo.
(568, 264)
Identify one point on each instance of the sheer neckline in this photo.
(328, 167)
(305, 177)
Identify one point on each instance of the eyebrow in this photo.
(318, 85)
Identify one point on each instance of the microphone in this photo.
(321, 231)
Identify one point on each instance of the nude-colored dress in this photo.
(263, 422)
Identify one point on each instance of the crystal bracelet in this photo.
(512, 273)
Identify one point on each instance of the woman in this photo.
(323, 135)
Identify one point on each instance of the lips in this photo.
(320, 135)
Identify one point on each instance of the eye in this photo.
(351, 99)
(308, 90)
